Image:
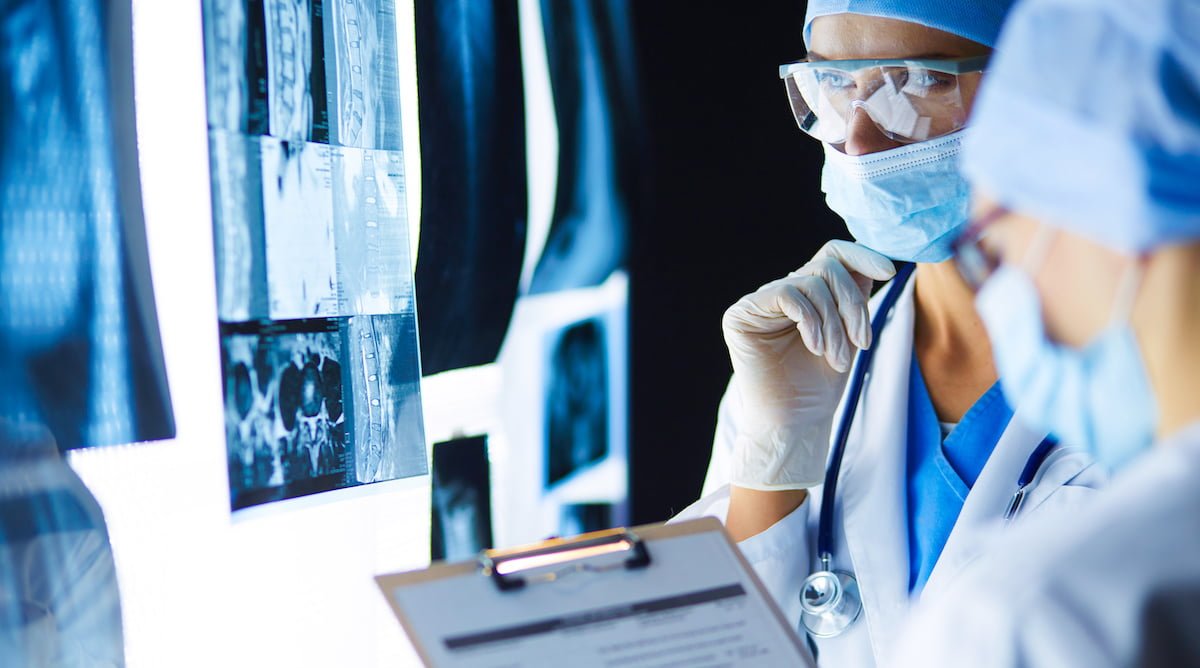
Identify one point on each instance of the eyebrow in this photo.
(813, 57)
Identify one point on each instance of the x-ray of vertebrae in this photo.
(314, 278)
(320, 404)
(364, 100)
(304, 70)
(308, 230)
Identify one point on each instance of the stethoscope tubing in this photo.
(844, 579)
(862, 365)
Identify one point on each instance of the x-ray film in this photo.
(296, 70)
(371, 232)
(322, 71)
(577, 401)
(235, 65)
(238, 235)
(364, 98)
(580, 518)
(381, 351)
(461, 508)
(307, 230)
(319, 404)
(314, 275)
(298, 216)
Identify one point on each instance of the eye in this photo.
(925, 80)
(833, 79)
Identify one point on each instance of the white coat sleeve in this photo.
(780, 555)
(720, 464)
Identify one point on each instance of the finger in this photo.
(761, 313)
(851, 302)
(837, 345)
(799, 309)
(859, 260)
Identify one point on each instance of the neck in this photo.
(1169, 305)
(946, 316)
(950, 341)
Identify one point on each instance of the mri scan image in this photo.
(319, 404)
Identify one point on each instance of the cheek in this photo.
(968, 84)
(1077, 290)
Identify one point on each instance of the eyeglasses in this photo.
(977, 258)
(909, 100)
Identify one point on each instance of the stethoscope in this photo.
(829, 600)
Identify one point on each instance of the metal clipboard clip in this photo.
(504, 566)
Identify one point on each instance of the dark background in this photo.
(730, 200)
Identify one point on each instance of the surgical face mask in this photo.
(1097, 397)
(908, 203)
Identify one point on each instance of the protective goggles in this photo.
(909, 100)
(977, 252)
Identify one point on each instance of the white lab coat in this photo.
(871, 531)
(1119, 585)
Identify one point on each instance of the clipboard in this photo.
(656, 595)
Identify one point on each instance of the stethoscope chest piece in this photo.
(830, 603)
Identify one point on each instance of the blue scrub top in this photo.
(941, 472)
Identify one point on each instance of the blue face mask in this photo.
(1097, 397)
(908, 203)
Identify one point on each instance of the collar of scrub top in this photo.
(943, 469)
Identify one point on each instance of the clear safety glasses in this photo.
(909, 100)
(975, 250)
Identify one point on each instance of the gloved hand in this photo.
(791, 343)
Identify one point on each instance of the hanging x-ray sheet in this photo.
(79, 342)
(473, 182)
(589, 53)
(314, 279)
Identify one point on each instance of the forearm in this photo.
(752, 511)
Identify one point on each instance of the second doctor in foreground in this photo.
(1087, 249)
(930, 453)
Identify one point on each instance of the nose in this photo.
(863, 136)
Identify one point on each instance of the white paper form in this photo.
(696, 604)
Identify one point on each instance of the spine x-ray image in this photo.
(577, 401)
(319, 404)
(462, 510)
(306, 230)
(365, 99)
(320, 71)
(314, 277)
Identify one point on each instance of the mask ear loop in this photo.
(1127, 292)
(1038, 250)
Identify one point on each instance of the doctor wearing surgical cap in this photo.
(847, 533)
(1086, 250)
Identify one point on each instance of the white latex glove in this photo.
(791, 343)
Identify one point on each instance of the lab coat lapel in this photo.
(871, 490)
(985, 504)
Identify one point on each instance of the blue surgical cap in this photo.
(1089, 119)
(976, 20)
